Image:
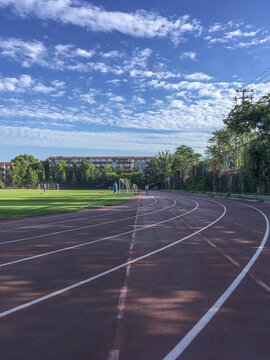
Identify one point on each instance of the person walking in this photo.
(114, 189)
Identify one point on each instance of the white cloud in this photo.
(95, 18)
(143, 143)
(136, 73)
(178, 104)
(249, 43)
(239, 33)
(189, 54)
(43, 89)
(89, 98)
(234, 35)
(112, 54)
(215, 27)
(138, 99)
(117, 98)
(198, 76)
(27, 53)
(26, 83)
(84, 53)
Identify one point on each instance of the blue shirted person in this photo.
(114, 189)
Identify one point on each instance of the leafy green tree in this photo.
(107, 170)
(251, 118)
(87, 173)
(120, 170)
(61, 172)
(159, 168)
(18, 171)
(137, 178)
(253, 121)
(46, 167)
(184, 158)
(31, 177)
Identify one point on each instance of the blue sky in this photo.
(122, 77)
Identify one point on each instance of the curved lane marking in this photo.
(83, 282)
(43, 217)
(200, 325)
(83, 227)
(96, 241)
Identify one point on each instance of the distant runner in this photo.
(146, 188)
(45, 189)
(114, 189)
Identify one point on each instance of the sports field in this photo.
(23, 203)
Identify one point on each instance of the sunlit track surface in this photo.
(164, 261)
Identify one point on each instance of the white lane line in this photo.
(263, 285)
(96, 202)
(66, 214)
(212, 244)
(122, 302)
(124, 290)
(200, 325)
(113, 354)
(85, 217)
(82, 227)
(96, 241)
(154, 202)
(112, 212)
(260, 283)
(54, 216)
(231, 260)
(83, 282)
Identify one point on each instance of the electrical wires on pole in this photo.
(243, 97)
(254, 83)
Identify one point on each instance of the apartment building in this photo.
(129, 163)
(4, 169)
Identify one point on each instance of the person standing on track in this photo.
(146, 188)
(114, 189)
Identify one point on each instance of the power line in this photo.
(256, 77)
(261, 83)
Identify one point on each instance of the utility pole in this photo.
(243, 97)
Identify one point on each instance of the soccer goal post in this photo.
(50, 186)
(135, 187)
(125, 185)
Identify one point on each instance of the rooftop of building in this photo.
(99, 157)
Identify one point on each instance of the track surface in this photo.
(163, 276)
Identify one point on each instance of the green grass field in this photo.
(23, 203)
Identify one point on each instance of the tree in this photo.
(253, 121)
(159, 168)
(31, 177)
(61, 172)
(251, 118)
(184, 158)
(18, 171)
(87, 173)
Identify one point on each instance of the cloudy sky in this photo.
(124, 77)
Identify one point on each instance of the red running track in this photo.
(163, 276)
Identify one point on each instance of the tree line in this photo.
(28, 171)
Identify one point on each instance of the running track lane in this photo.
(167, 293)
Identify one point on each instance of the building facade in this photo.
(4, 169)
(128, 163)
